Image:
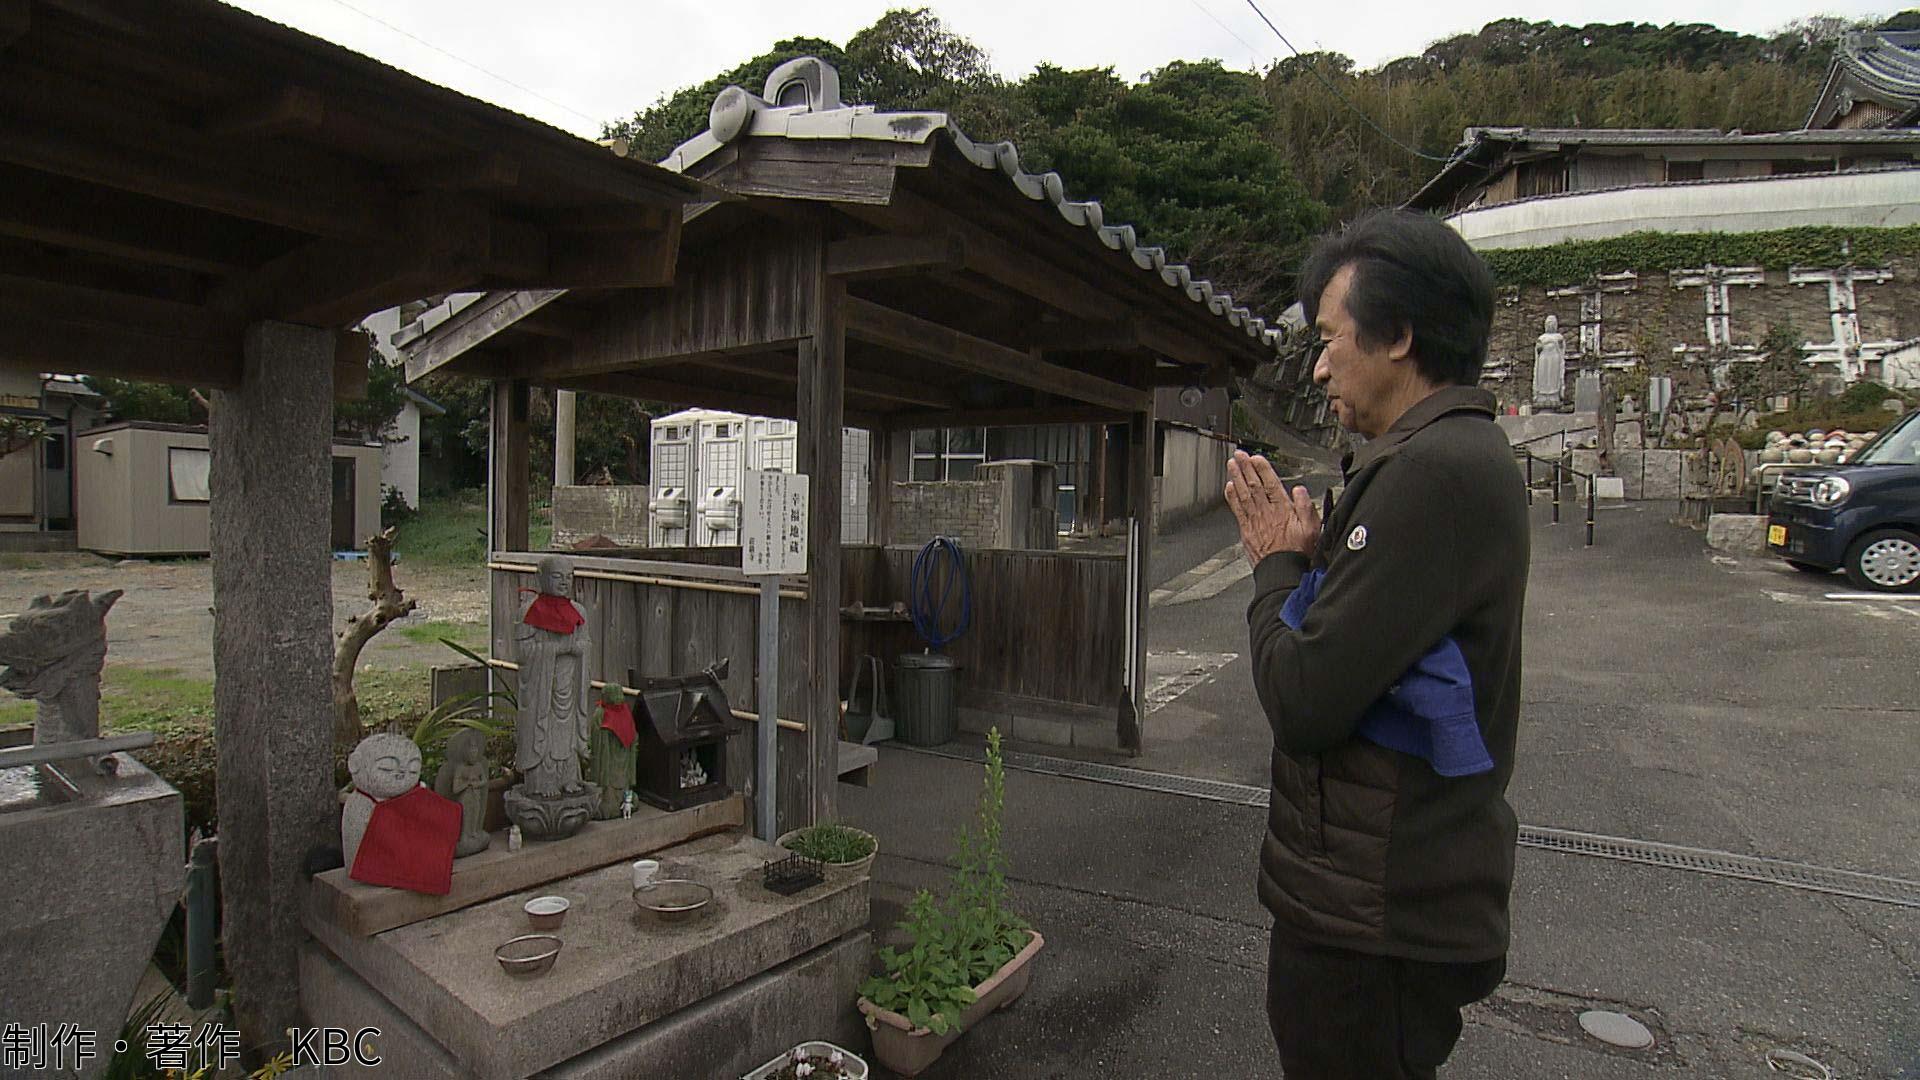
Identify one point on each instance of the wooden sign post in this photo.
(773, 541)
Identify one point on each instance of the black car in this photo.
(1862, 517)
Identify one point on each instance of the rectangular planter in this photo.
(908, 1050)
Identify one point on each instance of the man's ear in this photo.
(1402, 345)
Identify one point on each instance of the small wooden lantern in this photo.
(683, 724)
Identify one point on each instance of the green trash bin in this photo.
(924, 685)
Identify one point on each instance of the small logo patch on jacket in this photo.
(1357, 539)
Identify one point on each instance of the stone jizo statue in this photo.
(556, 720)
(382, 767)
(52, 654)
(463, 778)
(1549, 366)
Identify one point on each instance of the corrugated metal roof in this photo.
(738, 114)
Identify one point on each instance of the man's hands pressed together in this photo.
(1270, 518)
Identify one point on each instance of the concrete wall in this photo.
(967, 510)
(1891, 197)
(1193, 472)
(18, 476)
(617, 512)
(400, 457)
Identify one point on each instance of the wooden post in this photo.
(564, 408)
(822, 410)
(508, 499)
(766, 802)
(880, 487)
(1098, 504)
(1140, 464)
(273, 613)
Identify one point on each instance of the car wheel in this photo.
(1885, 560)
(1809, 568)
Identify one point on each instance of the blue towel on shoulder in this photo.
(1429, 713)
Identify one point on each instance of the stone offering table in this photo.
(628, 996)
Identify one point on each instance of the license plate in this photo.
(1777, 535)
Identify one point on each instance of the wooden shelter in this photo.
(883, 271)
(193, 194)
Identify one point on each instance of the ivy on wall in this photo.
(1656, 252)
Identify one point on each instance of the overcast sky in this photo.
(576, 63)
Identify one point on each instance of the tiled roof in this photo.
(738, 114)
(1877, 66)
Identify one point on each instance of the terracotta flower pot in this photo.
(858, 866)
(908, 1050)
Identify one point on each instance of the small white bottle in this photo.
(513, 838)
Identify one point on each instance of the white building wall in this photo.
(1885, 198)
(400, 457)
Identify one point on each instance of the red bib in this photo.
(619, 720)
(409, 843)
(555, 613)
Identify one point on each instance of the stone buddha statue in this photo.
(1549, 366)
(553, 648)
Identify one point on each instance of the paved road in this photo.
(1670, 695)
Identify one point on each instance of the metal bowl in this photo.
(673, 899)
(526, 956)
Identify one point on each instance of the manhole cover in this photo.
(1616, 1029)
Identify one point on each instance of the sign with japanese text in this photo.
(773, 523)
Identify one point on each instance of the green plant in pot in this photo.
(836, 845)
(967, 953)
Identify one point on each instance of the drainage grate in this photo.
(1165, 783)
(1793, 875)
(1821, 879)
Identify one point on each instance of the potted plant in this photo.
(840, 846)
(966, 956)
(813, 1061)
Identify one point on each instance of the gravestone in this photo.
(1586, 392)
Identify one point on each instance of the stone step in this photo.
(617, 972)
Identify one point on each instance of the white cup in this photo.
(644, 872)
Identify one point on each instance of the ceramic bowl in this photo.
(547, 912)
(673, 899)
(525, 957)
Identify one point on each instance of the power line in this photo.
(1251, 51)
(463, 60)
(1315, 72)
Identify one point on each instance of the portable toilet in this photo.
(670, 506)
(722, 453)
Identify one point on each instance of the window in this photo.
(1793, 168)
(1686, 170)
(187, 474)
(57, 452)
(948, 453)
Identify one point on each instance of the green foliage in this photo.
(1858, 409)
(153, 403)
(160, 403)
(831, 843)
(19, 432)
(957, 943)
(1649, 252)
(446, 531)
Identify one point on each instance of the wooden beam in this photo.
(628, 259)
(510, 475)
(919, 337)
(1142, 444)
(16, 18)
(1085, 335)
(286, 110)
(1019, 417)
(50, 210)
(486, 171)
(650, 388)
(608, 218)
(864, 383)
(472, 325)
(444, 243)
(860, 257)
(88, 331)
(351, 349)
(822, 414)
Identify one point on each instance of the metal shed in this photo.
(143, 489)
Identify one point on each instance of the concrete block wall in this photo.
(967, 510)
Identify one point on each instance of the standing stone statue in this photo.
(1549, 366)
(614, 753)
(52, 655)
(552, 646)
(463, 778)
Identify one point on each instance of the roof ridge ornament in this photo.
(811, 76)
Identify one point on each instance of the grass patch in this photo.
(50, 560)
(472, 635)
(451, 530)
